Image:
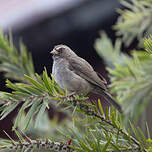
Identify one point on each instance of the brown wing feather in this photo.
(85, 70)
(101, 77)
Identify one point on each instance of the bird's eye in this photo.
(60, 50)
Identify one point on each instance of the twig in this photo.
(90, 112)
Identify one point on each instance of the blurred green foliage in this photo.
(134, 21)
(130, 76)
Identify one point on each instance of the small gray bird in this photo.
(77, 75)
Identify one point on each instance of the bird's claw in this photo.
(71, 95)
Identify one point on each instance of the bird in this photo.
(76, 75)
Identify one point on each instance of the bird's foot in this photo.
(71, 95)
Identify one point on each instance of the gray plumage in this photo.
(77, 75)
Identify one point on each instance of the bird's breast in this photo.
(67, 79)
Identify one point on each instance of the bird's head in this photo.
(62, 51)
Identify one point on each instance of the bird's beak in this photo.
(54, 52)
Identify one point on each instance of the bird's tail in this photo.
(110, 99)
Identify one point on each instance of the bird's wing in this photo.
(85, 70)
(101, 77)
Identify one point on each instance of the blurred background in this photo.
(41, 24)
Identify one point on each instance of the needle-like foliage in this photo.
(36, 94)
(135, 20)
(148, 44)
(130, 76)
(109, 52)
(13, 62)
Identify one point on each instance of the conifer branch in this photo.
(130, 76)
(15, 63)
(39, 145)
(134, 21)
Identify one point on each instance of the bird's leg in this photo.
(71, 94)
(67, 96)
